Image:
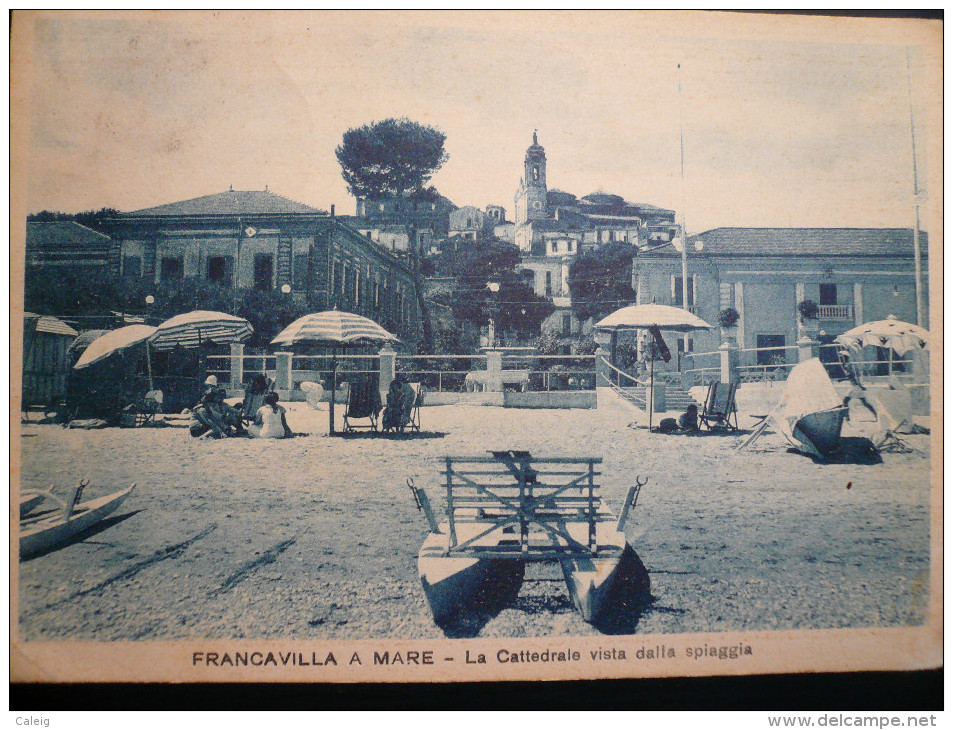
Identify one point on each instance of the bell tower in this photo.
(531, 195)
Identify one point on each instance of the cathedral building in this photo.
(551, 222)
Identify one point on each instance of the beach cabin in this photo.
(45, 361)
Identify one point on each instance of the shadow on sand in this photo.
(85, 534)
(498, 592)
(852, 450)
(628, 598)
(391, 436)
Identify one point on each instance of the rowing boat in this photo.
(48, 528)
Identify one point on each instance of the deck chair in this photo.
(720, 407)
(143, 411)
(412, 409)
(363, 403)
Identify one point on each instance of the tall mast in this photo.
(916, 204)
(681, 144)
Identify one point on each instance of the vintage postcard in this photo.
(463, 346)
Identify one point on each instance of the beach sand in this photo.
(317, 537)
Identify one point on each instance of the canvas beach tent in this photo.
(810, 413)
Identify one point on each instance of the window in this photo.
(677, 291)
(299, 272)
(686, 344)
(828, 294)
(264, 270)
(536, 172)
(553, 245)
(172, 268)
(567, 324)
(769, 356)
(469, 223)
(569, 246)
(549, 283)
(726, 295)
(132, 267)
(219, 270)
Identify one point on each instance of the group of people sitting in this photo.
(259, 417)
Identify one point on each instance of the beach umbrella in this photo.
(113, 341)
(192, 329)
(901, 337)
(656, 318)
(335, 329)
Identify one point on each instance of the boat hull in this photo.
(821, 431)
(591, 579)
(45, 533)
(452, 584)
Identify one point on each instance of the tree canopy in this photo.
(514, 307)
(89, 218)
(600, 281)
(392, 156)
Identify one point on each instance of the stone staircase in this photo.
(676, 397)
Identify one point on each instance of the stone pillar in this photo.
(655, 398)
(729, 363)
(740, 307)
(237, 365)
(283, 371)
(603, 373)
(858, 304)
(807, 348)
(494, 370)
(388, 367)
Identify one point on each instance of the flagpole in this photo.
(916, 200)
(681, 144)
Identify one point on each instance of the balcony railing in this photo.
(835, 311)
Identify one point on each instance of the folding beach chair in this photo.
(720, 407)
(143, 411)
(363, 402)
(413, 417)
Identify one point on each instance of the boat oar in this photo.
(423, 504)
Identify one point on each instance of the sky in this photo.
(786, 121)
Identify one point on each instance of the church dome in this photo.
(601, 197)
(558, 197)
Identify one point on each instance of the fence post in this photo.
(237, 365)
(807, 348)
(283, 371)
(494, 370)
(388, 368)
(729, 363)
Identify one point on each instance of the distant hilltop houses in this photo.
(261, 240)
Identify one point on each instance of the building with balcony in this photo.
(260, 240)
(854, 275)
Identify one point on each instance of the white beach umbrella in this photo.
(657, 318)
(333, 328)
(336, 329)
(644, 316)
(194, 328)
(112, 342)
(901, 337)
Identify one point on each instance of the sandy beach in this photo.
(317, 537)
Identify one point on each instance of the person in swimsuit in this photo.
(270, 421)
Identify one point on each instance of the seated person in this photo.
(270, 421)
(206, 419)
(254, 396)
(393, 418)
(688, 421)
(231, 417)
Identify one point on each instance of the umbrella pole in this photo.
(149, 364)
(334, 389)
(651, 403)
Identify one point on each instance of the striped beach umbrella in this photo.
(112, 342)
(333, 328)
(899, 336)
(336, 329)
(195, 328)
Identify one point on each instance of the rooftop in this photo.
(799, 242)
(62, 234)
(231, 202)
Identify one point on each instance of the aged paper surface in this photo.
(299, 562)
